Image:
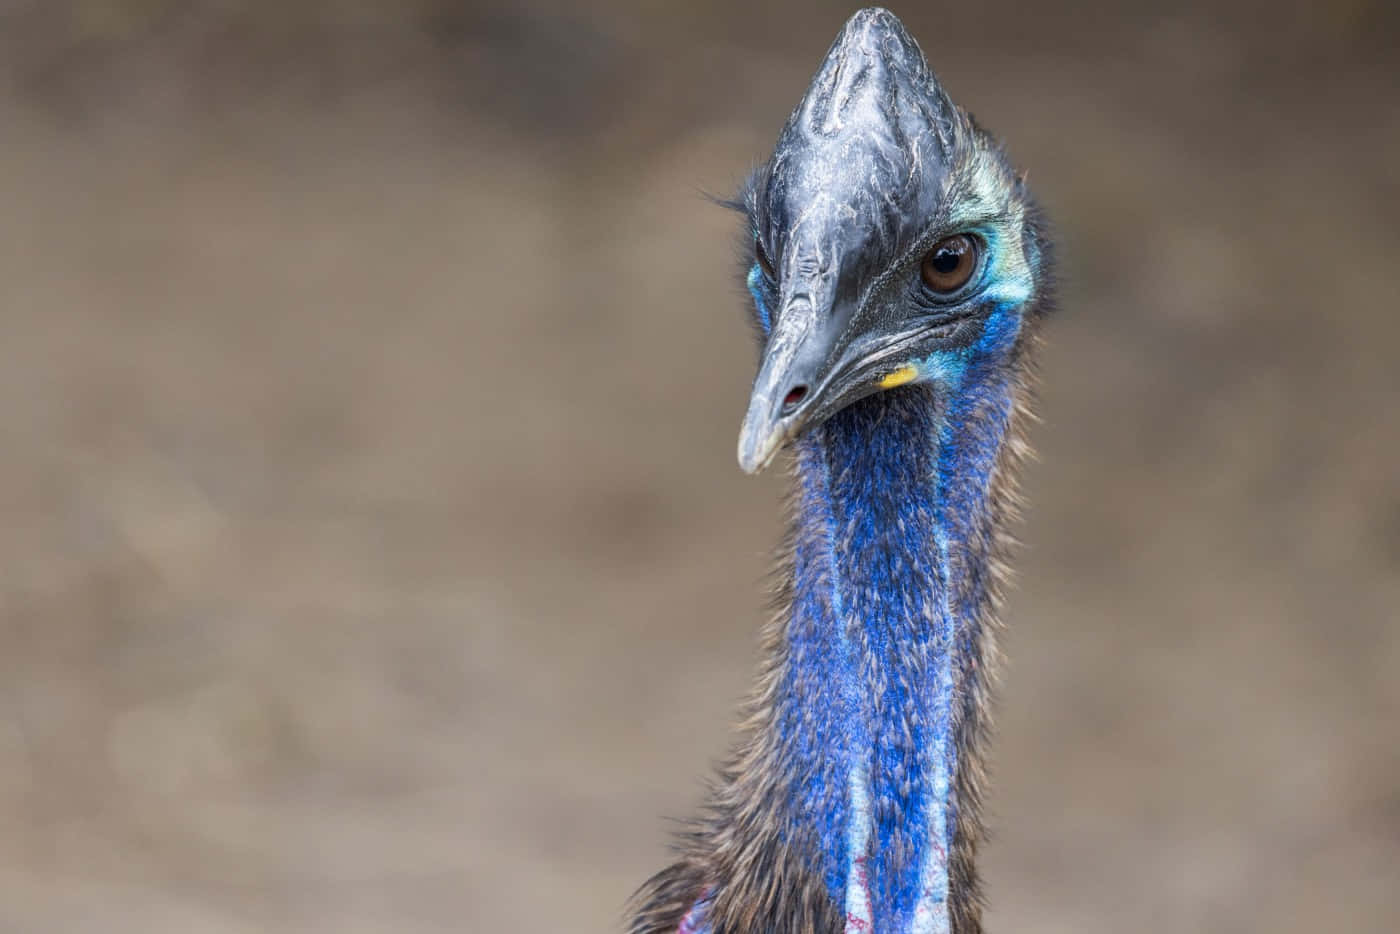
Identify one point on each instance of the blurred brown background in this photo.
(374, 555)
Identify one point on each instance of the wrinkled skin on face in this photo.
(873, 169)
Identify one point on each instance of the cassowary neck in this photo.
(879, 701)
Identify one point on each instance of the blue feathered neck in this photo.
(889, 596)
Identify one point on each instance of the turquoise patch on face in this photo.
(950, 366)
(755, 284)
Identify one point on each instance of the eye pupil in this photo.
(950, 264)
(946, 261)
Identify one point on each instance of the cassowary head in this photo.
(892, 242)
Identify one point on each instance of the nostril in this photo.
(794, 395)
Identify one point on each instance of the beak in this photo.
(790, 382)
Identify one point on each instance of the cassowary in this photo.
(900, 273)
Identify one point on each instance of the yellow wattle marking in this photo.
(905, 374)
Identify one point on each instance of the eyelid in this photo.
(764, 258)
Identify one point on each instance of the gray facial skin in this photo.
(856, 192)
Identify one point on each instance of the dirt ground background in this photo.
(374, 555)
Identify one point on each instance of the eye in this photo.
(951, 262)
(764, 262)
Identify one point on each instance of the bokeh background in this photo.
(374, 557)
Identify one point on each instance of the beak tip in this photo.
(756, 452)
(749, 460)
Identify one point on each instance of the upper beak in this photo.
(789, 384)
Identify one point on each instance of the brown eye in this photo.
(950, 263)
(764, 262)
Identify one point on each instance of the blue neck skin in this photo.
(890, 587)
